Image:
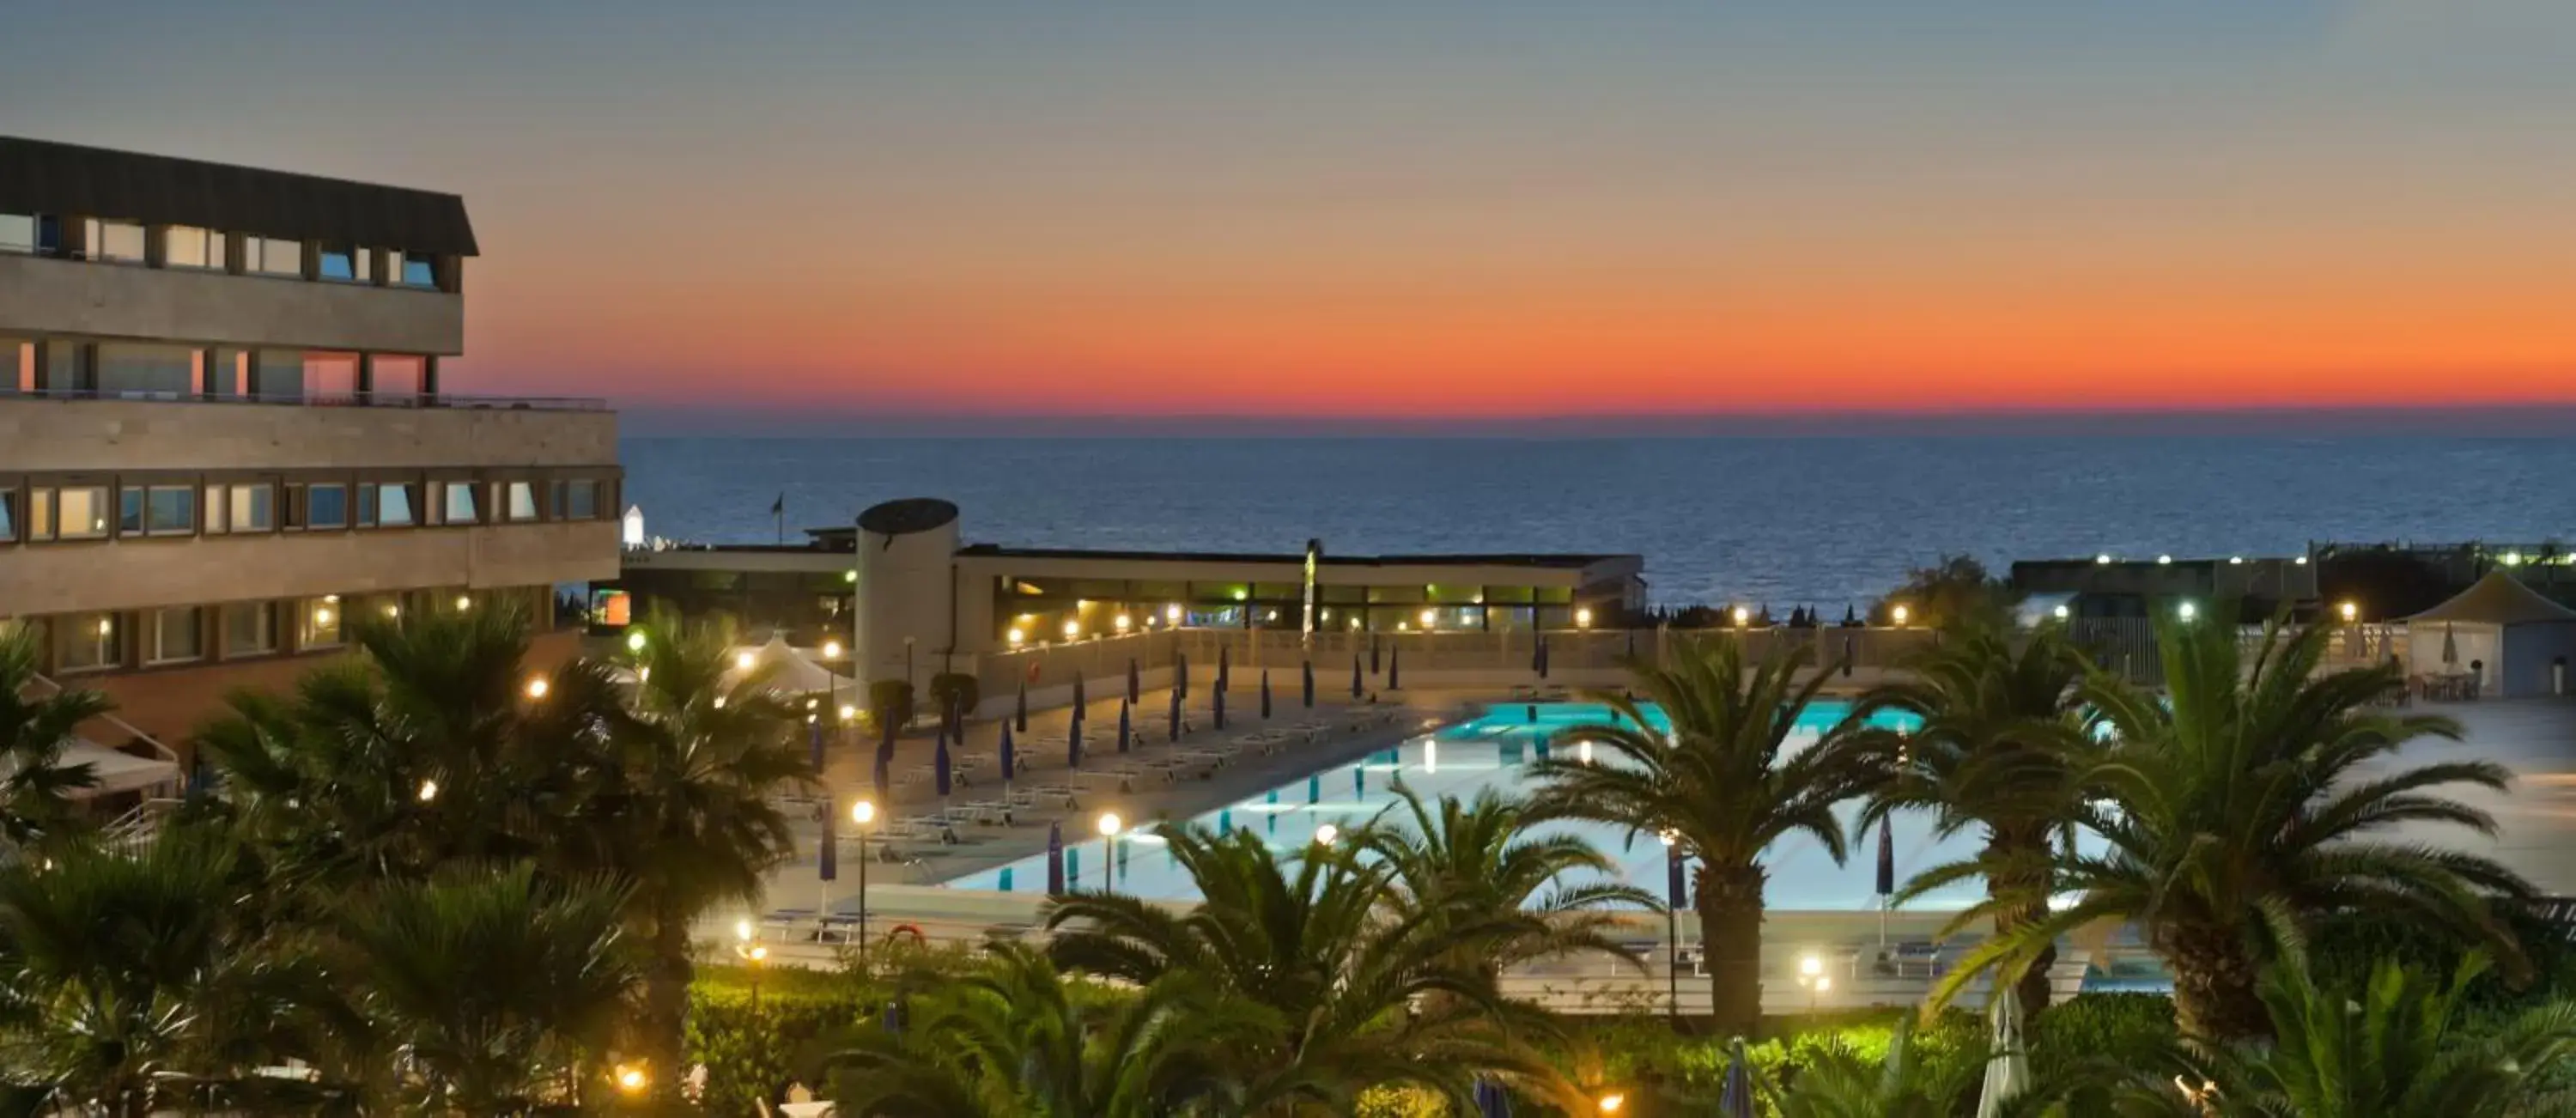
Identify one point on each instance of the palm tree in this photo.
(2404, 1046)
(1724, 784)
(1478, 860)
(499, 984)
(2240, 808)
(112, 961)
(1358, 1000)
(432, 747)
(35, 786)
(2000, 746)
(681, 804)
(1017, 1042)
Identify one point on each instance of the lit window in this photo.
(88, 642)
(157, 510)
(73, 513)
(393, 505)
(270, 256)
(253, 506)
(178, 635)
(17, 232)
(339, 262)
(250, 629)
(326, 506)
(523, 501)
(116, 241)
(8, 515)
(186, 246)
(317, 622)
(459, 507)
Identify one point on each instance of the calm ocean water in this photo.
(1784, 521)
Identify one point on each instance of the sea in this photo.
(1818, 521)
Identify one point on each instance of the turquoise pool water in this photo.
(1493, 752)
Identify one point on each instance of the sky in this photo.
(1502, 211)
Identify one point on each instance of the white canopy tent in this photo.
(790, 671)
(117, 771)
(2518, 643)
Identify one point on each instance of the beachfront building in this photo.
(911, 597)
(223, 433)
(2109, 587)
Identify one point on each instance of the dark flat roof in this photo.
(41, 176)
(1565, 562)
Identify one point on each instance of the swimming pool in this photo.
(1493, 752)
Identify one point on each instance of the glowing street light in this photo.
(537, 687)
(831, 650)
(1109, 824)
(635, 641)
(1430, 617)
(849, 713)
(2164, 560)
(1898, 614)
(2062, 612)
(2351, 612)
(2103, 559)
(1583, 618)
(1325, 834)
(464, 603)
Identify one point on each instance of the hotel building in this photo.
(912, 598)
(223, 433)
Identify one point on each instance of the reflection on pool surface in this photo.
(1491, 752)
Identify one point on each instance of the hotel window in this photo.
(186, 246)
(341, 262)
(241, 507)
(17, 232)
(76, 512)
(250, 629)
(8, 516)
(88, 642)
(457, 505)
(326, 506)
(270, 256)
(317, 622)
(384, 505)
(119, 242)
(157, 510)
(577, 500)
(178, 635)
(522, 501)
(410, 270)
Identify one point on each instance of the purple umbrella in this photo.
(814, 738)
(1394, 669)
(1176, 716)
(1265, 694)
(1306, 683)
(1055, 859)
(1538, 656)
(1491, 1101)
(1020, 714)
(1372, 654)
(939, 766)
(827, 855)
(1010, 759)
(1126, 732)
(1077, 694)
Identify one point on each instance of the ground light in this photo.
(635, 641)
(632, 1081)
(2187, 611)
(1109, 824)
(1610, 1103)
(2063, 613)
(1327, 833)
(537, 687)
(743, 660)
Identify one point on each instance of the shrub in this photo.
(890, 702)
(955, 691)
(2130, 1030)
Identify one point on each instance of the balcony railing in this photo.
(387, 399)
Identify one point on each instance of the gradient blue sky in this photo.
(1478, 212)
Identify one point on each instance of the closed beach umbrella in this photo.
(1491, 1101)
(1073, 744)
(1073, 731)
(827, 855)
(1851, 653)
(2450, 647)
(1538, 657)
(1355, 675)
(1676, 878)
(940, 763)
(1175, 727)
(1395, 669)
(1020, 713)
(2008, 1067)
(1735, 1094)
(884, 759)
(1216, 704)
(1315, 789)
(1078, 700)
(1055, 859)
(1224, 670)
(1265, 693)
(1126, 730)
(1135, 683)
(1306, 683)
(1010, 759)
(1373, 668)
(1181, 674)
(1886, 859)
(814, 738)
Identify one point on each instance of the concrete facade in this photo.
(107, 435)
(151, 573)
(40, 295)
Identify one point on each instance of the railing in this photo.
(379, 399)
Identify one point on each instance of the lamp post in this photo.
(863, 813)
(753, 955)
(1672, 925)
(1109, 824)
